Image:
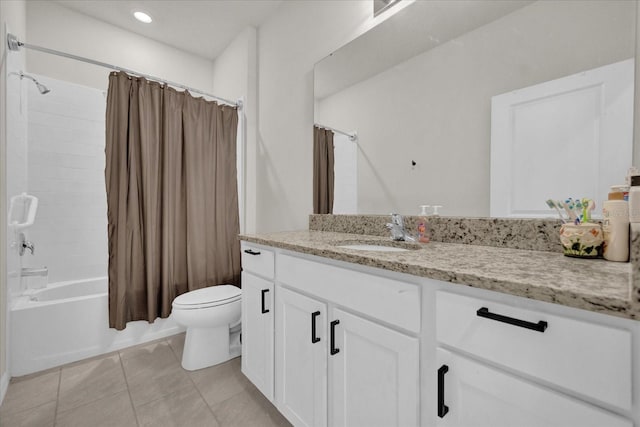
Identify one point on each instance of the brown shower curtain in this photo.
(322, 171)
(171, 196)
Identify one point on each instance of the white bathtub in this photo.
(69, 321)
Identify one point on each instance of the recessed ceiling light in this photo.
(142, 17)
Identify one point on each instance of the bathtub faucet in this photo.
(31, 272)
(25, 244)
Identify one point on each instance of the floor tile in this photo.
(248, 408)
(182, 408)
(115, 410)
(150, 370)
(219, 383)
(177, 344)
(82, 383)
(41, 416)
(145, 349)
(30, 393)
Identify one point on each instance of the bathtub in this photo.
(69, 321)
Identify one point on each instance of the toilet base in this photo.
(205, 347)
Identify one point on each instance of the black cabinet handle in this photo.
(541, 326)
(314, 338)
(264, 310)
(442, 408)
(334, 350)
(251, 252)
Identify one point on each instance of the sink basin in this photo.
(377, 248)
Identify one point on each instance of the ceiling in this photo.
(202, 27)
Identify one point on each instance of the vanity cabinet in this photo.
(335, 344)
(334, 365)
(501, 365)
(258, 317)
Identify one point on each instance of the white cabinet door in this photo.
(301, 359)
(257, 332)
(373, 374)
(476, 395)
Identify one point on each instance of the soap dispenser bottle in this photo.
(424, 232)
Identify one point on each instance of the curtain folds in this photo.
(172, 201)
(323, 175)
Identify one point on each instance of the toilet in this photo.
(212, 318)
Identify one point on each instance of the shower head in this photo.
(41, 88)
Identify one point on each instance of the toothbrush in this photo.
(569, 208)
(554, 205)
(589, 206)
(580, 209)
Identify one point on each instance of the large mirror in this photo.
(422, 89)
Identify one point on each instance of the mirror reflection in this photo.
(422, 88)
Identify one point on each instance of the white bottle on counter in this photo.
(615, 225)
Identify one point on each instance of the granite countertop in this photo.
(594, 285)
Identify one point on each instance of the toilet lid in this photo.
(208, 297)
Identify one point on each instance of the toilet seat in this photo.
(207, 297)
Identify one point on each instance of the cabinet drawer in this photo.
(390, 301)
(586, 358)
(257, 260)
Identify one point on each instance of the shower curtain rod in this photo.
(352, 136)
(15, 45)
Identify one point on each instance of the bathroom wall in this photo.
(297, 36)
(65, 165)
(444, 98)
(234, 77)
(56, 27)
(13, 19)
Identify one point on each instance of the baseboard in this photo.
(4, 385)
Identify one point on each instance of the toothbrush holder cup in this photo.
(582, 240)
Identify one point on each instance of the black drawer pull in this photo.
(264, 310)
(541, 326)
(334, 350)
(442, 408)
(251, 252)
(314, 338)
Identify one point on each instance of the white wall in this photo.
(234, 77)
(298, 35)
(66, 162)
(13, 19)
(56, 27)
(436, 107)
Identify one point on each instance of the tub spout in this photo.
(27, 271)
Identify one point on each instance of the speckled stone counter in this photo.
(594, 285)
(531, 234)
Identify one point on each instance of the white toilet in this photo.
(212, 318)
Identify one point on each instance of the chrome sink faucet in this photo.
(398, 232)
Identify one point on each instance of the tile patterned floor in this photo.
(138, 386)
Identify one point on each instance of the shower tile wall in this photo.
(66, 141)
(16, 157)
